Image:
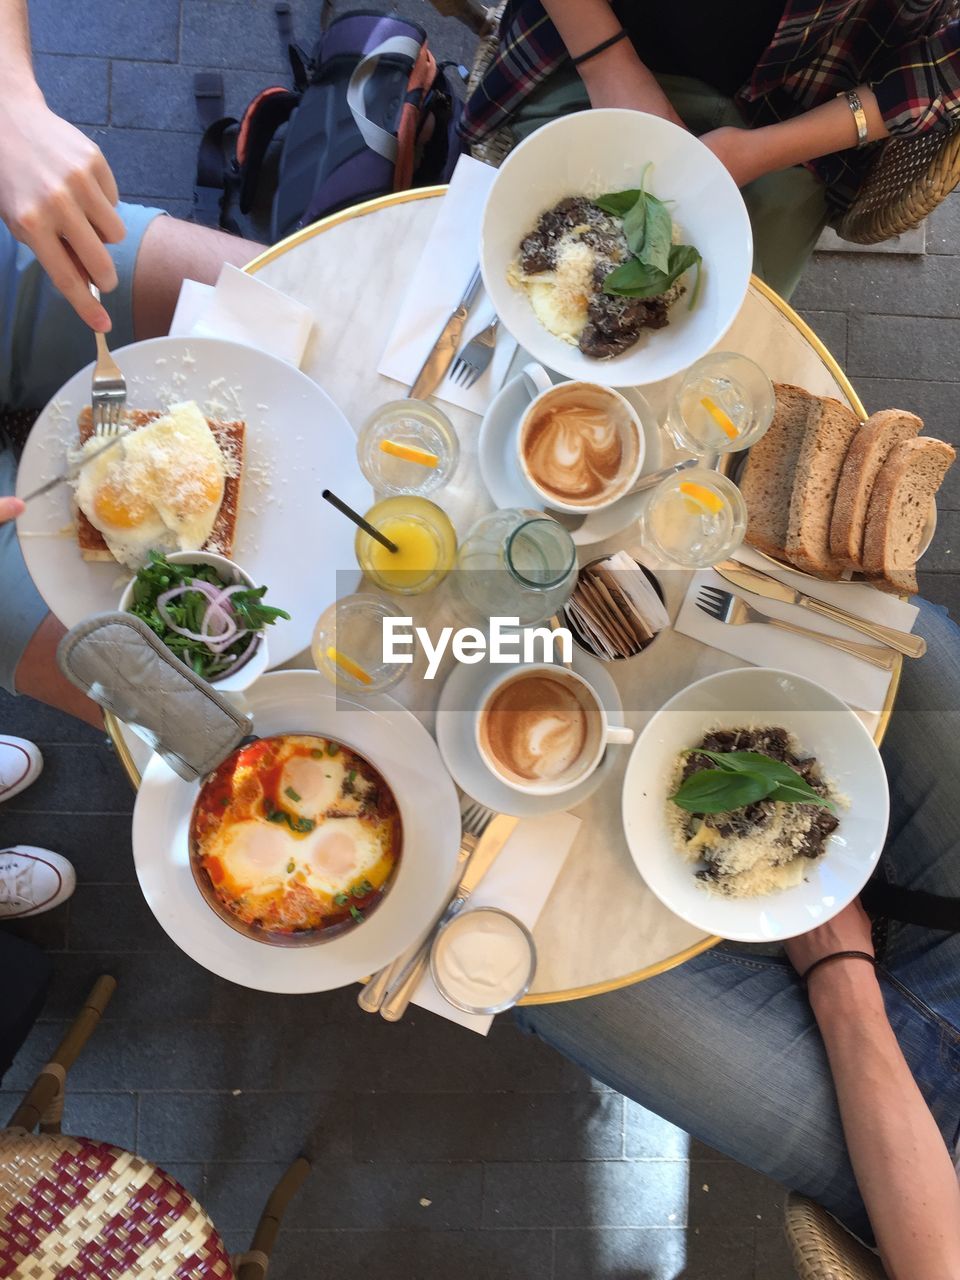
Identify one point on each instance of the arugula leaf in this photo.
(716, 791)
(635, 279)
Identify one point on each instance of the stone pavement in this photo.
(438, 1154)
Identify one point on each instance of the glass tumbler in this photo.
(694, 519)
(408, 446)
(347, 644)
(724, 403)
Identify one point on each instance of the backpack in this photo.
(370, 112)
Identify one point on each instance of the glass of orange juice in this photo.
(425, 540)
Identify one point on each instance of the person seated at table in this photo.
(756, 80)
(60, 226)
(848, 1089)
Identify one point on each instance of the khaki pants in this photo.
(788, 210)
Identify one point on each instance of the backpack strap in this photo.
(378, 139)
(209, 184)
(270, 109)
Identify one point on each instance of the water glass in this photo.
(724, 403)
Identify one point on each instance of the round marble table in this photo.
(601, 927)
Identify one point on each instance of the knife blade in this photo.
(72, 471)
(498, 832)
(763, 584)
(441, 354)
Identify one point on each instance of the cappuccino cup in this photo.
(580, 446)
(542, 729)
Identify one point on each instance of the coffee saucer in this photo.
(456, 716)
(504, 479)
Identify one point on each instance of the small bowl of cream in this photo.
(483, 961)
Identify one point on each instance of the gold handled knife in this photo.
(445, 348)
(498, 832)
(762, 584)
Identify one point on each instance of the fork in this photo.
(109, 392)
(728, 608)
(475, 356)
(407, 969)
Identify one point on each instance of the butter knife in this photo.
(498, 832)
(73, 470)
(762, 584)
(445, 348)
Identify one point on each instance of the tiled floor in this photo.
(438, 1155)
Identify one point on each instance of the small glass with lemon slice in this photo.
(408, 446)
(694, 519)
(347, 644)
(724, 403)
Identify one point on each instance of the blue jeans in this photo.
(726, 1046)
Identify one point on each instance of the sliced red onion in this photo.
(162, 602)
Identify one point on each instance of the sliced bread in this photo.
(870, 446)
(903, 492)
(766, 478)
(819, 462)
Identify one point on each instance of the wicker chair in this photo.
(77, 1207)
(822, 1249)
(907, 180)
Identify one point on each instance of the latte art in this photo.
(535, 727)
(580, 445)
(574, 451)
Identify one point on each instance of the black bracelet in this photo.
(838, 955)
(599, 48)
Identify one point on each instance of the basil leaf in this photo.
(799, 792)
(788, 785)
(658, 235)
(634, 279)
(618, 202)
(716, 791)
(635, 227)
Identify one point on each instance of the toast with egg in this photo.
(230, 436)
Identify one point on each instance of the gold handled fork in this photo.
(728, 608)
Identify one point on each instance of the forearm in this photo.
(819, 132)
(616, 77)
(903, 1169)
(16, 64)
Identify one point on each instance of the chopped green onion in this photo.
(289, 791)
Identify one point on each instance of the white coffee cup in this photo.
(577, 750)
(609, 408)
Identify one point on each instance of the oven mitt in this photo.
(125, 667)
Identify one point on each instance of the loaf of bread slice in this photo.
(766, 479)
(903, 492)
(230, 436)
(819, 462)
(867, 453)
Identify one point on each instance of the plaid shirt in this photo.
(908, 52)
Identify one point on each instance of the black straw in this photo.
(359, 521)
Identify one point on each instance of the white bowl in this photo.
(594, 152)
(255, 662)
(826, 728)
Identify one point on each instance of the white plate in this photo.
(458, 746)
(298, 442)
(507, 486)
(393, 740)
(826, 728)
(593, 152)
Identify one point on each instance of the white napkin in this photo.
(242, 308)
(858, 683)
(520, 882)
(436, 286)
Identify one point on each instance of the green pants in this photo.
(788, 210)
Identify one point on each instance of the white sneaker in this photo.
(33, 880)
(20, 764)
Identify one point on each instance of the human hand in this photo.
(849, 930)
(57, 196)
(738, 150)
(10, 508)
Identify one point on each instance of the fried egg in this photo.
(160, 489)
(296, 833)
